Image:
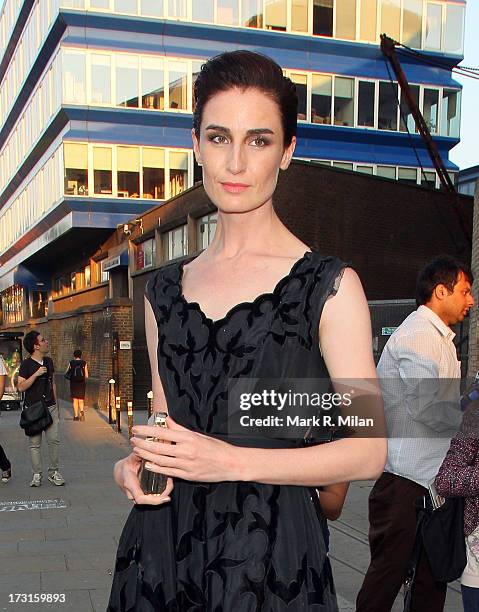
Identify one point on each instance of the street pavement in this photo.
(69, 550)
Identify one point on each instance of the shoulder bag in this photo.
(36, 418)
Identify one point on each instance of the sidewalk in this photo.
(70, 550)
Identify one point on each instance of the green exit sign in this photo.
(387, 331)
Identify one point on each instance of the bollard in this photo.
(149, 399)
(118, 413)
(111, 395)
(130, 418)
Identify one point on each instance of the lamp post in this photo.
(130, 418)
(149, 398)
(118, 413)
(111, 395)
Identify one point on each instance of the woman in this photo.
(77, 374)
(458, 476)
(230, 532)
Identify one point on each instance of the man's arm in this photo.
(25, 383)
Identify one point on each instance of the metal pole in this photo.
(149, 397)
(111, 395)
(130, 418)
(118, 413)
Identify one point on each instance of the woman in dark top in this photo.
(237, 527)
(77, 374)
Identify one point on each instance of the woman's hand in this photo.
(125, 473)
(187, 454)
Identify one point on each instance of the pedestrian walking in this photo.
(77, 374)
(418, 364)
(5, 465)
(236, 527)
(35, 381)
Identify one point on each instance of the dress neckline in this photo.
(241, 305)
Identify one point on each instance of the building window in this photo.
(103, 275)
(195, 70)
(127, 81)
(176, 242)
(386, 172)
(153, 173)
(391, 18)
(38, 304)
(252, 13)
(102, 171)
(450, 113)
(454, 30)
(177, 9)
(366, 96)
(367, 26)
(203, 11)
(412, 23)
(100, 79)
(428, 179)
(152, 8)
(74, 77)
(388, 102)
(152, 83)
(433, 26)
(87, 276)
(299, 15)
(346, 19)
(227, 12)
(178, 81)
(407, 175)
(145, 254)
(128, 173)
(275, 15)
(301, 82)
(76, 169)
(343, 101)
(178, 172)
(342, 165)
(126, 6)
(430, 109)
(323, 17)
(206, 230)
(12, 304)
(406, 119)
(100, 4)
(321, 98)
(365, 169)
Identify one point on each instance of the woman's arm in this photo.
(332, 499)
(458, 475)
(345, 335)
(86, 371)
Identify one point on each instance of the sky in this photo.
(466, 153)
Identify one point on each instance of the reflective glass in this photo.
(365, 169)
(100, 79)
(323, 17)
(177, 8)
(299, 15)
(126, 6)
(152, 8)
(366, 103)
(454, 30)
(178, 172)
(252, 13)
(407, 175)
(128, 172)
(227, 12)
(301, 82)
(343, 165)
(386, 172)
(428, 179)
(412, 23)
(75, 158)
(321, 99)
(343, 101)
(391, 18)
(433, 26)
(388, 106)
(406, 120)
(153, 173)
(430, 109)
(102, 170)
(195, 70)
(203, 11)
(346, 19)
(74, 77)
(100, 4)
(451, 113)
(178, 85)
(275, 14)
(152, 83)
(127, 81)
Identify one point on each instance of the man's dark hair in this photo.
(77, 353)
(247, 70)
(444, 270)
(30, 340)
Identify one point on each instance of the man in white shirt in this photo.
(5, 466)
(420, 374)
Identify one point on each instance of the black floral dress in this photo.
(231, 546)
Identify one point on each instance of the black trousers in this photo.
(392, 527)
(4, 462)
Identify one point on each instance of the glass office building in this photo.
(96, 103)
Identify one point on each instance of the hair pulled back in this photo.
(247, 70)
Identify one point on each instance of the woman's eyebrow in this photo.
(227, 131)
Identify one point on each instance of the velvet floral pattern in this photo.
(231, 546)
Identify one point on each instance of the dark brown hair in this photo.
(247, 70)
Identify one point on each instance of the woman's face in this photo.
(241, 149)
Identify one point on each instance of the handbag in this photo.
(36, 418)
